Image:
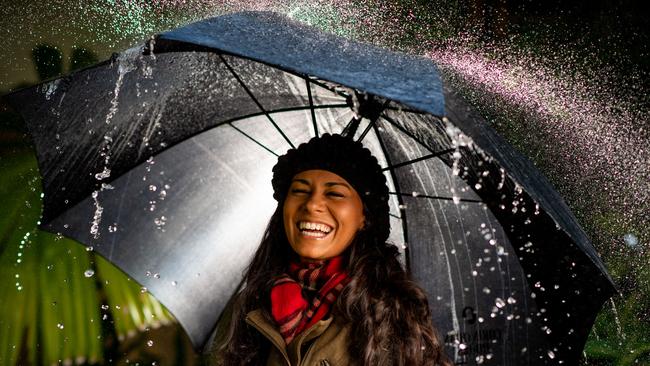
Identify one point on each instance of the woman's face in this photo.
(322, 213)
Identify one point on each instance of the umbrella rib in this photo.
(373, 122)
(392, 122)
(434, 155)
(311, 105)
(281, 110)
(230, 122)
(322, 85)
(400, 194)
(252, 139)
(250, 94)
(351, 128)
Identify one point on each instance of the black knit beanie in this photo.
(348, 159)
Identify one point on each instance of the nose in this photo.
(315, 202)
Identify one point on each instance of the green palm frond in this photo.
(57, 298)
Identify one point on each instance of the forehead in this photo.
(318, 176)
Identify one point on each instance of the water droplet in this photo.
(149, 343)
(160, 222)
(156, 275)
(89, 273)
(152, 188)
(486, 290)
(143, 290)
(499, 302)
(103, 174)
(631, 240)
(59, 325)
(462, 346)
(511, 300)
(104, 307)
(174, 283)
(551, 354)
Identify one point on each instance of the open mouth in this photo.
(313, 229)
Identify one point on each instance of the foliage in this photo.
(60, 302)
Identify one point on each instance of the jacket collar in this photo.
(290, 352)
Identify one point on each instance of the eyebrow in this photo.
(328, 184)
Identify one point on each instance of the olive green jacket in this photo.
(324, 344)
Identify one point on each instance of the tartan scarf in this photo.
(304, 295)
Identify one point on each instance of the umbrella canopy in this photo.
(160, 159)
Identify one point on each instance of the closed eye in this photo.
(335, 194)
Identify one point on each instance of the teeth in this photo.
(303, 225)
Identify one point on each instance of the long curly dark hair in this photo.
(389, 312)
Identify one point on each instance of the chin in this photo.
(310, 255)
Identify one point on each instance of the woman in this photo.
(324, 287)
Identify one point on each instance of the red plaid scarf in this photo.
(304, 296)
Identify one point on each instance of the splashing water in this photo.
(597, 135)
(125, 64)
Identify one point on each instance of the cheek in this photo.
(353, 218)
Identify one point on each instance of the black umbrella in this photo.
(160, 159)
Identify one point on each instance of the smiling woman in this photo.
(322, 214)
(324, 268)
